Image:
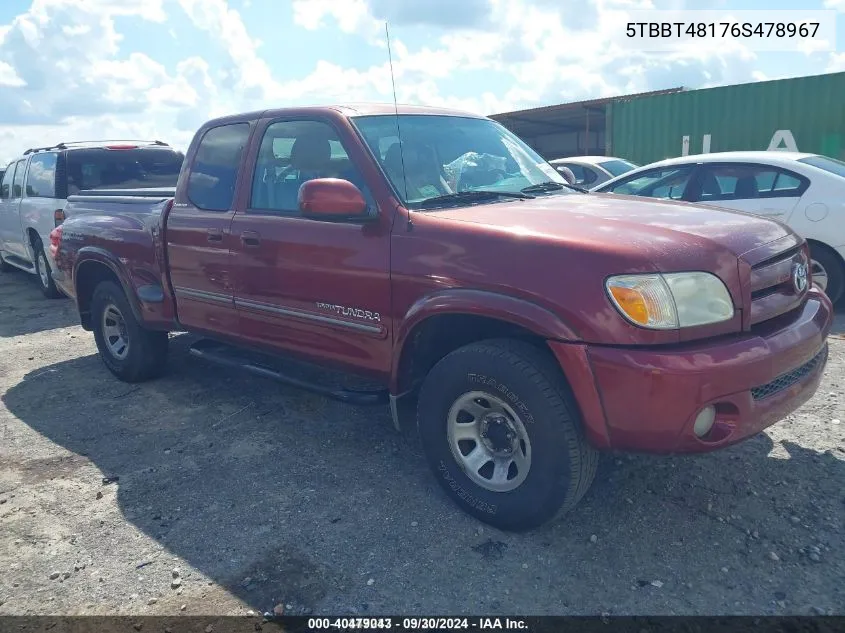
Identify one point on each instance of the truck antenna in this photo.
(396, 110)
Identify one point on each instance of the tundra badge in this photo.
(349, 312)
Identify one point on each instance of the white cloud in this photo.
(839, 5)
(64, 73)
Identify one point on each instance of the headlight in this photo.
(669, 301)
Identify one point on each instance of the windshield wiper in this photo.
(473, 195)
(550, 186)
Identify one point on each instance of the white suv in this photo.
(35, 188)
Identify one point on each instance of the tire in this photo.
(44, 272)
(561, 464)
(143, 355)
(829, 261)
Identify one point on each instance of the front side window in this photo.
(583, 175)
(445, 155)
(214, 172)
(661, 182)
(6, 187)
(17, 187)
(41, 179)
(291, 153)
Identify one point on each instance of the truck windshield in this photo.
(445, 154)
(102, 168)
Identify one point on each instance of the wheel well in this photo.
(439, 335)
(88, 277)
(825, 247)
(34, 238)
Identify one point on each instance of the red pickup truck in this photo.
(523, 325)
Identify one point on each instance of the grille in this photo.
(772, 289)
(784, 381)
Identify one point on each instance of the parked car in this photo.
(591, 171)
(36, 185)
(520, 325)
(804, 191)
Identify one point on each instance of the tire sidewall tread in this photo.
(147, 348)
(563, 463)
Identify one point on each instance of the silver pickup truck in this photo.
(35, 188)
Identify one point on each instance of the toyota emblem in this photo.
(799, 277)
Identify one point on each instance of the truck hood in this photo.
(663, 229)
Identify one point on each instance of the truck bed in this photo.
(118, 202)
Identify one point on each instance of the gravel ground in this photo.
(211, 492)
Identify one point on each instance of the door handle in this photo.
(215, 235)
(250, 239)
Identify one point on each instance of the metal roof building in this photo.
(567, 129)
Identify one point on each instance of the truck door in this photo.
(10, 214)
(319, 289)
(198, 237)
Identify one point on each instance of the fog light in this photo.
(704, 421)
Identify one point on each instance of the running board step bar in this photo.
(253, 363)
(18, 262)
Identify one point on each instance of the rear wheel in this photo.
(501, 432)
(44, 272)
(129, 351)
(828, 271)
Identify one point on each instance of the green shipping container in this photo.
(806, 113)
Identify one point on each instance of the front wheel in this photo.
(128, 350)
(501, 432)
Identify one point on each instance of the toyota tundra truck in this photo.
(521, 325)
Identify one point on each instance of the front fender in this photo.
(482, 303)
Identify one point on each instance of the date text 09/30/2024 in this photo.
(418, 624)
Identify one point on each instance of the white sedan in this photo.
(804, 191)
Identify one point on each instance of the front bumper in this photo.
(646, 400)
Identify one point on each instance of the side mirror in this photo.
(332, 199)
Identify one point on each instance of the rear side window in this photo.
(747, 181)
(139, 168)
(6, 187)
(824, 162)
(214, 172)
(17, 186)
(41, 179)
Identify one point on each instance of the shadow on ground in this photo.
(25, 310)
(280, 496)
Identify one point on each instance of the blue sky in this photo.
(159, 68)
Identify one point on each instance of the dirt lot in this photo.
(261, 495)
